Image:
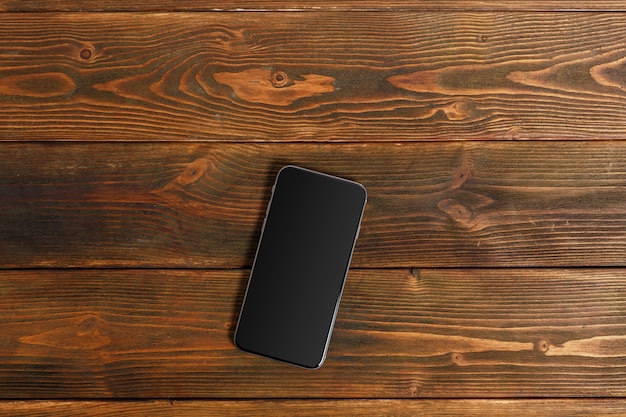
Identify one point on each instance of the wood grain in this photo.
(201, 205)
(315, 5)
(489, 273)
(484, 333)
(307, 408)
(312, 76)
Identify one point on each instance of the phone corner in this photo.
(287, 168)
(317, 364)
(313, 367)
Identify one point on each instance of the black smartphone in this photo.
(308, 235)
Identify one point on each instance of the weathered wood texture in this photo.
(313, 76)
(150, 140)
(308, 408)
(201, 205)
(315, 5)
(399, 334)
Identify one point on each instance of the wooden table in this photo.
(139, 141)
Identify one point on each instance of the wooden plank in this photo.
(399, 334)
(315, 5)
(201, 205)
(314, 76)
(322, 408)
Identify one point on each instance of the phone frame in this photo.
(343, 283)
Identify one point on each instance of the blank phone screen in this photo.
(300, 266)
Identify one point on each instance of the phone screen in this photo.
(300, 266)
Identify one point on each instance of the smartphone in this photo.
(308, 236)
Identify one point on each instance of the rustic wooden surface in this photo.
(295, 5)
(307, 408)
(399, 334)
(200, 205)
(384, 76)
(138, 144)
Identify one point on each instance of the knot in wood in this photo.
(85, 53)
(543, 346)
(194, 172)
(87, 325)
(457, 211)
(279, 79)
(461, 174)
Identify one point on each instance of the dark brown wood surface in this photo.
(307, 408)
(384, 76)
(138, 145)
(400, 333)
(201, 205)
(315, 5)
